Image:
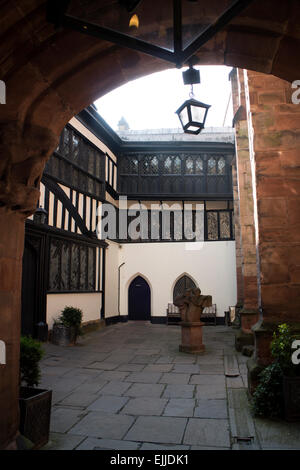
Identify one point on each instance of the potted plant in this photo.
(35, 403)
(67, 327)
(278, 392)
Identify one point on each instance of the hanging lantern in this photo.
(192, 113)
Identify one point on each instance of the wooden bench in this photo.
(173, 315)
(210, 313)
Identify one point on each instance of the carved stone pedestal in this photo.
(191, 337)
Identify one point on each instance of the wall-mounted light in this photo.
(40, 216)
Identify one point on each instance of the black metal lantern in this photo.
(192, 115)
(40, 216)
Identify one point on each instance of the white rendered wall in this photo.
(210, 264)
(90, 304)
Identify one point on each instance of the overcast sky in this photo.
(150, 102)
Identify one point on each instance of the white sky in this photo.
(150, 102)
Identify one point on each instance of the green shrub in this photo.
(71, 316)
(267, 399)
(281, 350)
(31, 352)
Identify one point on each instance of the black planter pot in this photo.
(291, 395)
(63, 335)
(35, 411)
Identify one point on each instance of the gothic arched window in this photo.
(183, 283)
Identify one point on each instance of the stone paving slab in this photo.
(180, 407)
(209, 392)
(92, 443)
(172, 448)
(216, 409)
(145, 390)
(144, 377)
(157, 429)
(115, 388)
(234, 382)
(108, 404)
(186, 368)
(104, 425)
(165, 360)
(145, 406)
(131, 367)
(79, 398)
(207, 432)
(102, 365)
(144, 359)
(58, 441)
(210, 379)
(179, 391)
(114, 375)
(158, 368)
(185, 359)
(63, 418)
(211, 369)
(185, 408)
(91, 386)
(172, 378)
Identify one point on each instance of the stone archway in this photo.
(41, 68)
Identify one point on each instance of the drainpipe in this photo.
(119, 279)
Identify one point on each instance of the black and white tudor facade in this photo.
(68, 262)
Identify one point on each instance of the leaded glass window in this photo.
(212, 226)
(211, 166)
(221, 166)
(224, 224)
(177, 166)
(72, 266)
(185, 282)
(199, 166)
(150, 166)
(189, 166)
(168, 165)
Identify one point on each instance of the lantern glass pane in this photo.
(184, 117)
(198, 114)
(193, 128)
